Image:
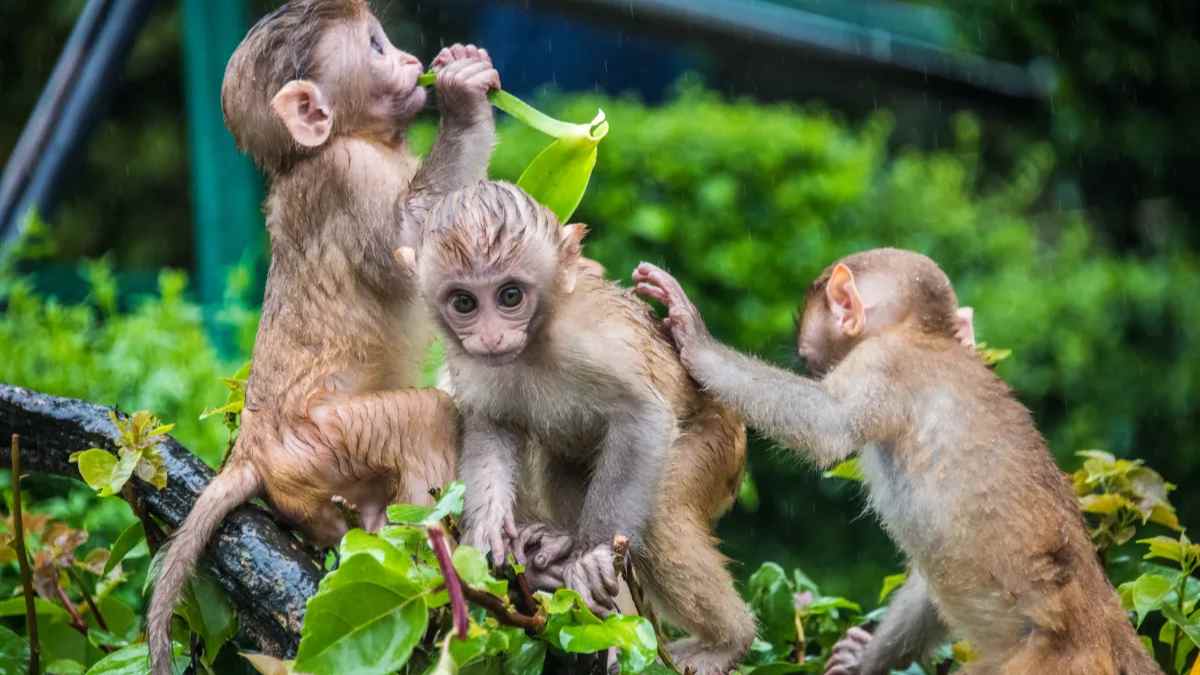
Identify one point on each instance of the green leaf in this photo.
(526, 656)
(850, 469)
(209, 614)
(14, 652)
(1104, 504)
(408, 513)
(890, 584)
(135, 660)
(268, 665)
(99, 469)
(633, 635)
(771, 597)
(777, 669)
(472, 568)
(1189, 628)
(65, 667)
(1146, 594)
(131, 537)
(559, 175)
(358, 542)
(16, 607)
(449, 504)
(363, 619)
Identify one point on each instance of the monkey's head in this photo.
(313, 70)
(492, 263)
(873, 292)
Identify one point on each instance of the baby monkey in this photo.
(322, 100)
(577, 413)
(954, 467)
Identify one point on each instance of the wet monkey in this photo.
(321, 99)
(955, 469)
(578, 416)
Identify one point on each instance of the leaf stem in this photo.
(499, 609)
(35, 649)
(623, 565)
(88, 598)
(522, 111)
(458, 604)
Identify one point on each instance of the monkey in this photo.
(955, 470)
(578, 416)
(333, 429)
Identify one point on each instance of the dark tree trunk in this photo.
(265, 570)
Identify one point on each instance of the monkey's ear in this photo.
(845, 302)
(305, 112)
(407, 257)
(964, 326)
(571, 246)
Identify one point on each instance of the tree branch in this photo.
(263, 568)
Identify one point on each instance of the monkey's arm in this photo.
(488, 467)
(620, 497)
(467, 133)
(910, 629)
(829, 419)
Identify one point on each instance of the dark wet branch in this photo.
(264, 569)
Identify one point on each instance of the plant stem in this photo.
(458, 604)
(624, 569)
(497, 607)
(35, 649)
(88, 598)
(518, 109)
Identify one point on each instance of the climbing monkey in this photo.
(954, 469)
(333, 430)
(579, 418)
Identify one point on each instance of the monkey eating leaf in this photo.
(559, 175)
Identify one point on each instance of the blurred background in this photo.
(1043, 152)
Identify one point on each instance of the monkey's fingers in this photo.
(554, 547)
(652, 292)
(661, 278)
(859, 635)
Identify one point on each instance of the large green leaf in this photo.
(14, 653)
(102, 471)
(1146, 594)
(559, 175)
(44, 608)
(772, 598)
(449, 504)
(472, 568)
(365, 618)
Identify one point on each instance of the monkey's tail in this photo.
(232, 487)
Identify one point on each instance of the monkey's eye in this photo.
(376, 45)
(510, 296)
(463, 303)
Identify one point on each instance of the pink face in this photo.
(379, 74)
(490, 316)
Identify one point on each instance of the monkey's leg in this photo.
(409, 437)
(684, 577)
(909, 630)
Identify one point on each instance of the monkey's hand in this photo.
(847, 655)
(494, 534)
(683, 319)
(591, 574)
(465, 75)
(543, 550)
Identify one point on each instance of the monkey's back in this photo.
(1004, 547)
(705, 464)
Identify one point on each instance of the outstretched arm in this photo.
(830, 419)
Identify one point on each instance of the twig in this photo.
(77, 621)
(531, 605)
(499, 609)
(88, 598)
(35, 649)
(437, 539)
(624, 568)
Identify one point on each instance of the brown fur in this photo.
(330, 406)
(954, 467)
(595, 367)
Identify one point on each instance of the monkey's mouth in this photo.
(496, 359)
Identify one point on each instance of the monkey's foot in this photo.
(691, 655)
(350, 512)
(846, 658)
(592, 575)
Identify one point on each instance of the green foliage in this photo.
(1118, 495)
(137, 453)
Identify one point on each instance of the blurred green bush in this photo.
(747, 203)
